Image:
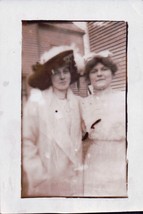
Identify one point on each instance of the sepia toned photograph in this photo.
(71, 103)
(74, 109)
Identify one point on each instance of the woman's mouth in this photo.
(63, 82)
(98, 80)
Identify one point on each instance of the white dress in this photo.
(105, 159)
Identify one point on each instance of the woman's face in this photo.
(61, 78)
(100, 77)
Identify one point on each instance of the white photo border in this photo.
(11, 15)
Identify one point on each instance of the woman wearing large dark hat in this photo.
(104, 116)
(52, 151)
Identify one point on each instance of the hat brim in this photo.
(41, 78)
(59, 59)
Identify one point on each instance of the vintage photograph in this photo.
(74, 109)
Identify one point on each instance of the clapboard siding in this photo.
(111, 36)
(119, 32)
(109, 45)
(115, 38)
(105, 25)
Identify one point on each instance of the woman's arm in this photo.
(32, 164)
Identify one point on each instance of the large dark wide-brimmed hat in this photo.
(53, 59)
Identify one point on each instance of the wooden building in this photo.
(40, 36)
(111, 35)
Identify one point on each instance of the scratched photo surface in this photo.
(74, 146)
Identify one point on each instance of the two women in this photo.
(104, 117)
(52, 148)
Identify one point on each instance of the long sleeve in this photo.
(32, 163)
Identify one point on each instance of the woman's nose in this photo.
(99, 73)
(62, 75)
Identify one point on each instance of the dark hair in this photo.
(41, 76)
(106, 61)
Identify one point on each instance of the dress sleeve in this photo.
(86, 113)
(32, 164)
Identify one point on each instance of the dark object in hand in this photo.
(85, 136)
(97, 121)
(92, 127)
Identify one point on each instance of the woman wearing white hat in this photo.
(104, 116)
(52, 150)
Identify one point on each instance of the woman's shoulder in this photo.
(86, 103)
(82, 101)
(35, 95)
(119, 95)
(36, 98)
(86, 100)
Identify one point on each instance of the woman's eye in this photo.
(56, 72)
(66, 70)
(104, 69)
(93, 71)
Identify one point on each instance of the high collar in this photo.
(51, 95)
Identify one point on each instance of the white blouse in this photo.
(110, 108)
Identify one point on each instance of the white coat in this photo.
(52, 152)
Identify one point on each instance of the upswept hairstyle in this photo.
(106, 61)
